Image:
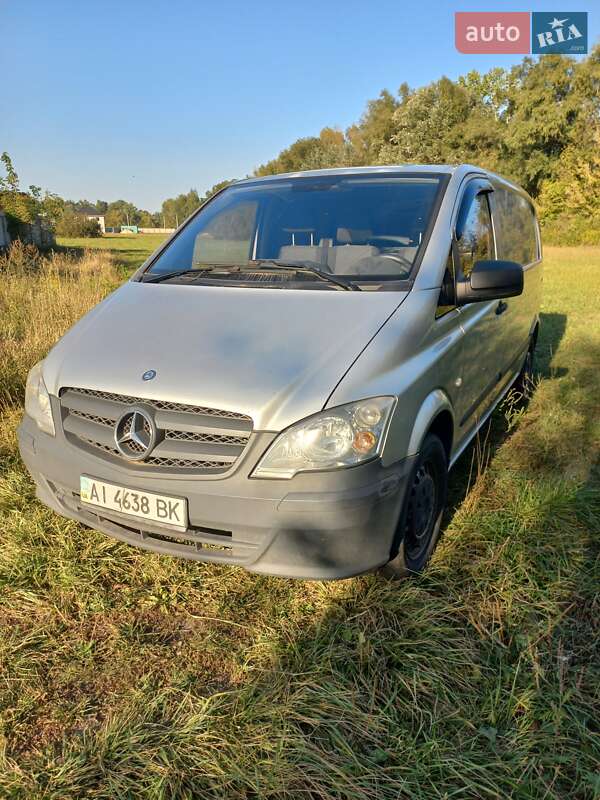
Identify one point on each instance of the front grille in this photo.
(190, 436)
(193, 438)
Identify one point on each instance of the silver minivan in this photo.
(285, 383)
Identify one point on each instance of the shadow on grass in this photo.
(480, 678)
(71, 249)
(497, 430)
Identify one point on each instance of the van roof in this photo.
(399, 168)
(459, 170)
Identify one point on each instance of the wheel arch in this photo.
(435, 416)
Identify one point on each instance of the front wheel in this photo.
(421, 516)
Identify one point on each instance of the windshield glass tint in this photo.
(360, 227)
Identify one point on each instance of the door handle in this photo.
(501, 307)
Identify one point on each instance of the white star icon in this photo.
(557, 23)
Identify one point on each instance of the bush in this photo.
(71, 224)
(20, 209)
(570, 231)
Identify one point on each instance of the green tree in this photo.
(329, 149)
(375, 129)
(290, 159)
(444, 122)
(145, 219)
(120, 212)
(75, 224)
(569, 196)
(492, 89)
(543, 110)
(10, 183)
(52, 207)
(20, 207)
(177, 209)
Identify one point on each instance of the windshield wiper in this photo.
(259, 263)
(164, 276)
(305, 267)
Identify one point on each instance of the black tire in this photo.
(421, 517)
(524, 383)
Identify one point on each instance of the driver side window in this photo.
(476, 243)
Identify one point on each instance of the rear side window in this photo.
(514, 221)
(476, 242)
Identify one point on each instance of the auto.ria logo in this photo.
(564, 32)
(538, 32)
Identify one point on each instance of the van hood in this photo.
(274, 354)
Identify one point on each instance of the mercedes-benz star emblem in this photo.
(149, 375)
(135, 434)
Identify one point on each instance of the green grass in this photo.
(129, 250)
(125, 674)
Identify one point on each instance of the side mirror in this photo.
(490, 280)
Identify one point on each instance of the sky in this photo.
(144, 100)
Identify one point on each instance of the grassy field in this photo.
(124, 674)
(129, 251)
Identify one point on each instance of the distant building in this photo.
(91, 213)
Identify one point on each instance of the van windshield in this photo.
(365, 228)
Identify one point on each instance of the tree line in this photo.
(69, 217)
(537, 123)
(121, 212)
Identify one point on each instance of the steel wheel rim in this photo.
(421, 512)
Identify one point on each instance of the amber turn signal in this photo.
(364, 441)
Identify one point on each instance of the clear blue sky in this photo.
(143, 100)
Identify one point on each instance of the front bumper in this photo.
(324, 526)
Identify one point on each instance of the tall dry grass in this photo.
(41, 296)
(125, 674)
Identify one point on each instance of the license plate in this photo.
(161, 508)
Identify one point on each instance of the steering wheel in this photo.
(395, 241)
(404, 262)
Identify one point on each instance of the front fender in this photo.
(435, 402)
(405, 439)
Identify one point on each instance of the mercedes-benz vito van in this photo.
(285, 383)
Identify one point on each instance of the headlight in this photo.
(37, 400)
(336, 438)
